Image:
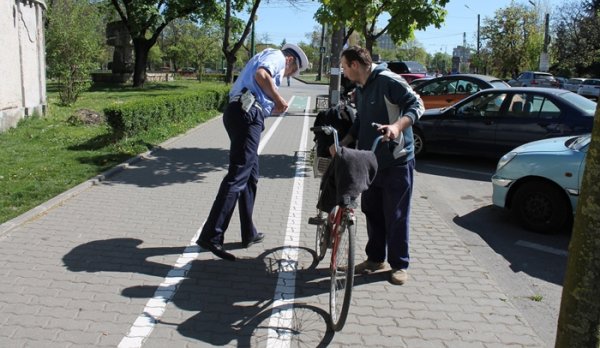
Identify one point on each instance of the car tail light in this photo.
(534, 82)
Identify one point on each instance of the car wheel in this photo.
(541, 207)
(419, 142)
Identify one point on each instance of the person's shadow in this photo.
(234, 301)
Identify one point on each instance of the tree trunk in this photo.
(230, 58)
(579, 319)
(369, 41)
(141, 48)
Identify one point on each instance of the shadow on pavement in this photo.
(231, 301)
(541, 256)
(176, 166)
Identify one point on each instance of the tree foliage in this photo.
(579, 319)
(145, 20)
(235, 31)
(72, 46)
(514, 31)
(577, 28)
(405, 16)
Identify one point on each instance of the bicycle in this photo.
(336, 229)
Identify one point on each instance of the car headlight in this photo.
(505, 159)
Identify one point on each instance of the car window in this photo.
(484, 105)
(439, 88)
(588, 106)
(543, 76)
(462, 86)
(499, 84)
(543, 108)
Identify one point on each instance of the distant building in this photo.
(385, 42)
(22, 61)
(464, 59)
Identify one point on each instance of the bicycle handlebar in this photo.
(329, 130)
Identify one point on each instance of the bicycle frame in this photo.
(337, 230)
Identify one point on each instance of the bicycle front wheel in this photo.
(342, 274)
(321, 240)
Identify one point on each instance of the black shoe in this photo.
(216, 249)
(259, 238)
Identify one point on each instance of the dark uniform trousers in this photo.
(239, 185)
(386, 205)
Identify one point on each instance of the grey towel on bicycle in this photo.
(349, 174)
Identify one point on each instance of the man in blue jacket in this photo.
(385, 98)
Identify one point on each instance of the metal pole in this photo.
(478, 44)
(335, 74)
(321, 52)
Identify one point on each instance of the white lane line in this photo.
(281, 320)
(265, 139)
(542, 248)
(156, 306)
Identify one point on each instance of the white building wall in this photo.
(22, 60)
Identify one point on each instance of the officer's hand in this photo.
(281, 106)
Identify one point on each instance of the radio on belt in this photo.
(247, 100)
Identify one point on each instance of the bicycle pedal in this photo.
(315, 220)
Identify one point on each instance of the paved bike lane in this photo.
(114, 264)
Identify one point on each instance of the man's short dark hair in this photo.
(357, 54)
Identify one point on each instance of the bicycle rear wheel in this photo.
(342, 274)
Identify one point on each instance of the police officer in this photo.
(253, 97)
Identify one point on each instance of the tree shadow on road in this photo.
(541, 256)
(182, 165)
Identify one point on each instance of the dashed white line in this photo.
(543, 248)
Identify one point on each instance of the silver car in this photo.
(573, 84)
(590, 88)
(534, 79)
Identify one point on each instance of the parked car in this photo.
(590, 88)
(410, 70)
(446, 90)
(573, 84)
(416, 82)
(540, 181)
(494, 121)
(534, 79)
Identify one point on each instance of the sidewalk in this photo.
(112, 263)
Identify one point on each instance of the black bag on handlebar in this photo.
(339, 117)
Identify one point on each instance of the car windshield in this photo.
(499, 84)
(581, 102)
(577, 143)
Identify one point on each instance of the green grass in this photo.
(45, 156)
(312, 79)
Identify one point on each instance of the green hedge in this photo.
(142, 115)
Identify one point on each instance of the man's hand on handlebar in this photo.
(389, 131)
